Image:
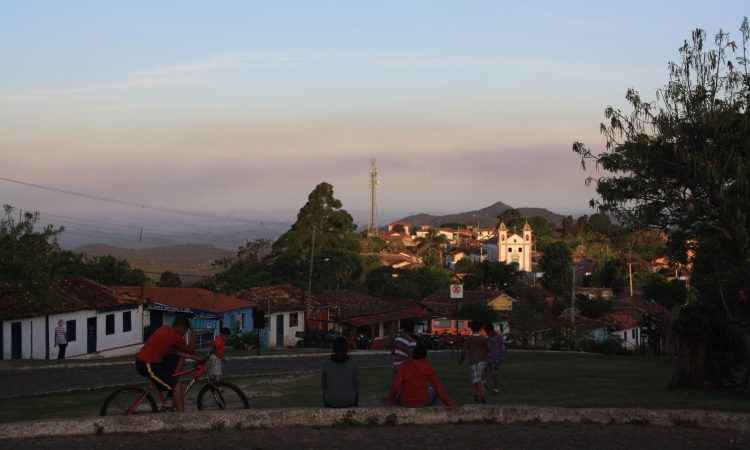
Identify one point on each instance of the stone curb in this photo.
(86, 365)
(379, 416)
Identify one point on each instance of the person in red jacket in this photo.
(411, 386)
(160, 355)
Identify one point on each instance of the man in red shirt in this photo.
(410, 387)
(160, 355)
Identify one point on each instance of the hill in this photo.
(487, 217)
(187, 259)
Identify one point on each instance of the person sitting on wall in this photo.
(339, 379)
(416, 383)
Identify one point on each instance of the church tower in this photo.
(528, 240)
(502, 240)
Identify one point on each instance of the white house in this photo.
(98, 323)
(631, 338)
(283, 328)
(283, 308)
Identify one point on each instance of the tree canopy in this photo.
(557, 266)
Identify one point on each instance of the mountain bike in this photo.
(214, 395)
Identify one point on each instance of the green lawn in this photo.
(549, 379)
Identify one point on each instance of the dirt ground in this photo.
(469, 436)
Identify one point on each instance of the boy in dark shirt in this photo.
(475, 353)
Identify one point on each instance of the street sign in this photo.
(457, 291)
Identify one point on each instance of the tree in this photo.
(480, 313)
(324, 232)
(667, 293)
(568, 226)
(512, 218)
(557, 266)
(491, 275)
(408, 283)
(681, 164)
(109, 271)
(431, 248)
(169, 279)
(30, 259)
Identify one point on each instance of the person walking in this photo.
(475, 352)
(61, 339)
(339, 379)
(495, 356)
(403, 346)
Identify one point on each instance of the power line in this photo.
(125, 202)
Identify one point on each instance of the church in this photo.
(514, 248)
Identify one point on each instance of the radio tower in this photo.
(372, 227)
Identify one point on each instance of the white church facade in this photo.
(515, 248)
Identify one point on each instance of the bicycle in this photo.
(216, 394)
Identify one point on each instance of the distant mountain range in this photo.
(190, 259)
(487, 217)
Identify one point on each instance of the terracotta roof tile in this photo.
(186, 298)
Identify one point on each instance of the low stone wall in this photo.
(381, 416)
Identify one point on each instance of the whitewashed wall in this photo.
(290, 339)
(35, 335)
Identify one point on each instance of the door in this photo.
(91, 335)
(15, 340)
(280, 330)
(157, 320)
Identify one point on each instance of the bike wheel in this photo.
(127, 401)
(221, 395)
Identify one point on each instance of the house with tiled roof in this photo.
(284, 309)
(354, 313)
(98, 321)
(444, 310)
(210, 311)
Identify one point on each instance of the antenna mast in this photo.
(372, 227)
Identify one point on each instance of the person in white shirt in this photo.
(61, 339)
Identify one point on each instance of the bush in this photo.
(244, 341)
(612, 346)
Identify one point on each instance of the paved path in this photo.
(470, 436)
(20, 383)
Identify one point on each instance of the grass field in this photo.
(543, 379)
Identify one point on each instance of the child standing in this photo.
(217, 353)
(475, 351)
(496, 346)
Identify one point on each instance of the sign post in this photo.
(457, 291)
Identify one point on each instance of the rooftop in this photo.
(68, 295)
(186, 298)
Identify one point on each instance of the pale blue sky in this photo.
(247, 105)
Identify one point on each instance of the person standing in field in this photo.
(61, 339)
(403, 346)
(475, 352)
(495, 356)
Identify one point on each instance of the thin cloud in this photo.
(171, 76)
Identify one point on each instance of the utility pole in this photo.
(630, 271)
(310, 274)
(573, 298)
(140, 235)
(372, 227)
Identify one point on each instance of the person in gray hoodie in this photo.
(339, 379)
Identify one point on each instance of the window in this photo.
(520, 249)
(510, 250)
(127, 322)
(632, 333)
(442, 323)
(70, 330)
(110, 324)
(293, 320)
(459, 324)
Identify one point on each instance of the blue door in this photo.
(280, 330)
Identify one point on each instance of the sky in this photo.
(243, 107)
